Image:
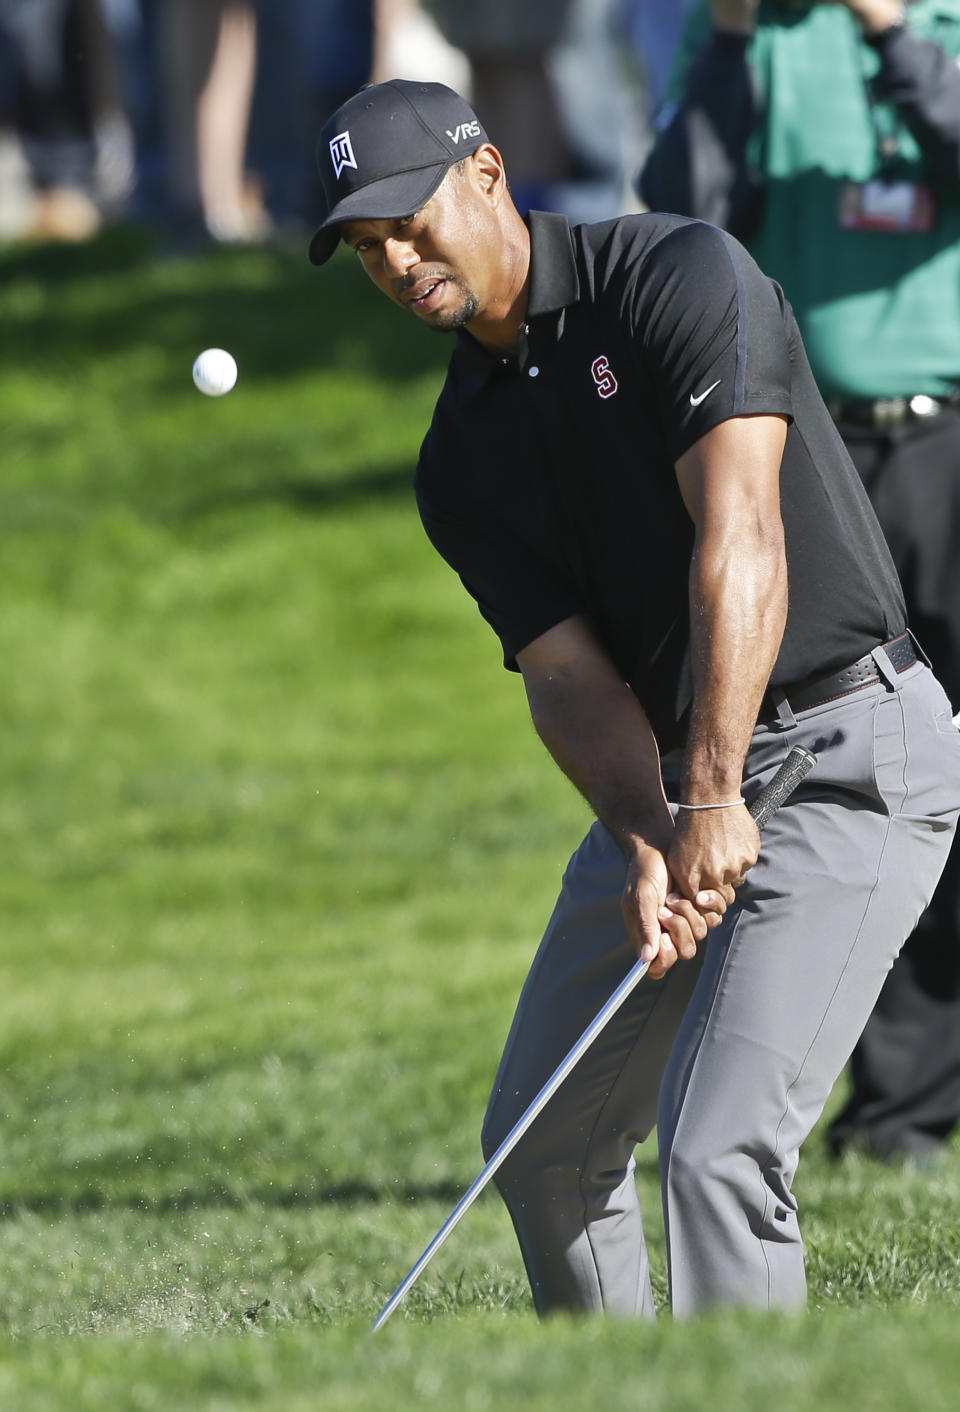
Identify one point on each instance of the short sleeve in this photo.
(518, 593)
(713, 331)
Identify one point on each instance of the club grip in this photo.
(798, 764)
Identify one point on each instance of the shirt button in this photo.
(533, 372)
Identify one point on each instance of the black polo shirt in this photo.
(548, 480)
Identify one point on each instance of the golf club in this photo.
(798, 763)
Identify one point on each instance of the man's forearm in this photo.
(738, 595)
(600, 737)
(596, 730)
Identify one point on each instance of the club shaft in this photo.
(797, 764)
(635, 974)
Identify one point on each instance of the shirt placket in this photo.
(527, 361)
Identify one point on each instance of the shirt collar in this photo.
(554, 283)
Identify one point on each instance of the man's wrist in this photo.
(705, 781)
(633, 839)
(724, 804)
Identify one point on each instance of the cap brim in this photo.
(399, 194)
(323, 244)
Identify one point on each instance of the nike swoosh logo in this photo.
(695, 401)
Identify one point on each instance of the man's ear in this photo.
(489, 172)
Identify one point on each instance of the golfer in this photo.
(632, 472)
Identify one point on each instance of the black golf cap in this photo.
(386, 150)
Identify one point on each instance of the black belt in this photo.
(890, 411)
(806, 695)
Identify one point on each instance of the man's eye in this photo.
(362, 246)
(404, 221)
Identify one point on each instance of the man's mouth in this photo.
(425, 295)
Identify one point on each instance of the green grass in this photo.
(277, 842)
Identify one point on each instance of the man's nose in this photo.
(399, 256)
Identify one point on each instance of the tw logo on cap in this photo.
(341, 154)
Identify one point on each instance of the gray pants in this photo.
(732, 1055)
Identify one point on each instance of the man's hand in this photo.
(734, 16)
(875, 16)
(740, 16)
(712, 852)
(664, 925)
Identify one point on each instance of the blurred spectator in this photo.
(209, 57)
(828, 138)
(586, 67)
(202, 114)
(313, 54)
(408, 44)
(547, 84)
(63, 79)
(656, 27)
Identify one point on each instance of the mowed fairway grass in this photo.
(277, 843)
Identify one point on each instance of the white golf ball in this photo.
(215, 372)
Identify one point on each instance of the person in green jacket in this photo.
(827, 138)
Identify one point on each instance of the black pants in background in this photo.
(906, 1068)
(47, 48)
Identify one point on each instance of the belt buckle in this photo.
(890, 411)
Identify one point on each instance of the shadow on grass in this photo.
(278, 314)
(271, 1195)
(302, 494)
(116, 250)
(347, 1194)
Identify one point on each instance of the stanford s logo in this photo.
(603, 377)
(341, 154)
